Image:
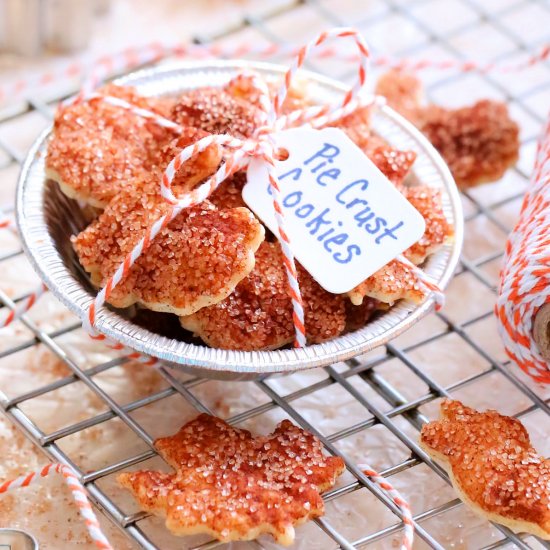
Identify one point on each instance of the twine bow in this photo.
(238, 153)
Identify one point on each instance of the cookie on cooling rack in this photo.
(493, 466)
(479, 142)
(234, 486)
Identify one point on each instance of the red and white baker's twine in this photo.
(519, 276)
(94, 530)
(525, 278)
(78, 493)
(109, 65)
(7, 223)
(261, 146)
(398, 500)
(28, 302)
(23, 306)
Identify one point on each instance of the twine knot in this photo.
(238, 154)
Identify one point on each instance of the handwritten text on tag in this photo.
(344, 218)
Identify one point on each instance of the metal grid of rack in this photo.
(399, 407)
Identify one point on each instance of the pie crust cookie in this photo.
(479, 142)
(98, 149)
(234, 486)
(195, 261)
(493, 466)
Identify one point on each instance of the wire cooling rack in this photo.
(420, 27)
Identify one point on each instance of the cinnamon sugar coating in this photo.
(192, 172)
(395, 281)
(97, 149)
(357, 126)
(234, 486)
(216, 112)
(493, 466)
(427, 201)
(195, 261)
(479, 142)
(403, 92)
(229, 193)
(258, 314)
(394, 163)
(242, 87)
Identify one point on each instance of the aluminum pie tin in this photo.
(17, 539)
(46, 219)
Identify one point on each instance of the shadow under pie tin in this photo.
(47, 219)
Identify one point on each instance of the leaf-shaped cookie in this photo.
(234, 486)
(493, 466)
(258, 314)
(195, 261)
(98, 149)
(479, 142)
(217, 112)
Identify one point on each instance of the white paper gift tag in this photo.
(344, 218)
